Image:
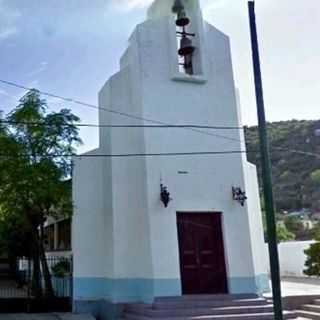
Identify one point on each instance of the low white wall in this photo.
(59, 254)
(292, 257)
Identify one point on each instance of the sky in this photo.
(72, 47)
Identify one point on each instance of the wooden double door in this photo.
(202, 258)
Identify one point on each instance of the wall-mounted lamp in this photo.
(164, 195)
(239, 195)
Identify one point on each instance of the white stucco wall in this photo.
(92, 226)
(292, 258)
(255, 220)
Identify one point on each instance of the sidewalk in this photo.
(298, 287)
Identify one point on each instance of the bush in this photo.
(315, 177)
(62, 268)
(313, 260)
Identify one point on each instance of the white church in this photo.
(181, 214)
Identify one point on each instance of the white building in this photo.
(127, 245)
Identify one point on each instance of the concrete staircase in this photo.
(204, 307)
(310, 311)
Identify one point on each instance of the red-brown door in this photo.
(202, 260)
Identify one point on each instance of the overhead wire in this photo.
(182, 126)
(62, 155)
(124, 114)
(157, 124)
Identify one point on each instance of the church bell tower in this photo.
(149, 226)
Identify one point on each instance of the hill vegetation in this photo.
(296, 176)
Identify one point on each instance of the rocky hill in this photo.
(296, 176)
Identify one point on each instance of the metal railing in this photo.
(60, 268)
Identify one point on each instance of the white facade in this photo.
(125, 240)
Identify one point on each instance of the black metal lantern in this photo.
(239, 195)
(164, 195)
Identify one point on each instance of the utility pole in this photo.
(266, 169)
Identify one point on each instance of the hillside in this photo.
(296, 177)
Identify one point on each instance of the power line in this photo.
(125, 155)
(124, 114)
(69, 155)
(158, 124)
(178, 126)
(306, 153)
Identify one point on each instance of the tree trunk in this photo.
(36, 287)
(49, 292)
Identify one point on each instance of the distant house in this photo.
(58, 237)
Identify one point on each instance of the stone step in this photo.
(308, 314)
(251, 316)
(156, 313)
(209, 303)
(311, 307)
(73, 316)
(317, 302)
(204, 297)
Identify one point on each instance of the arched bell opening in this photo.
(185, 43)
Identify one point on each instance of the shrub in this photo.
(313, 260)
(62, 268)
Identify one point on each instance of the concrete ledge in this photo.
(295, 302)
(72, 316)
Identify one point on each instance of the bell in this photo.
(188, 67)
(177, 6)
(182, 20)
(186, 47)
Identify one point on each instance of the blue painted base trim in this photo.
(258, 284)
(124, 290)
(105, 298)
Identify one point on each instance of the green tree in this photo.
(312, 263)
(315, 177)
(33, 170)
(315, 231)
(295, 225)
(283, 233)
(291, 171)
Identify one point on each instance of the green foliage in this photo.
(295, 225)
(32, 172)
(294, 187)
(283, 233)
(15, 235)
(315, 232)
(62, 268)
(315, 177)
(313, 260)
